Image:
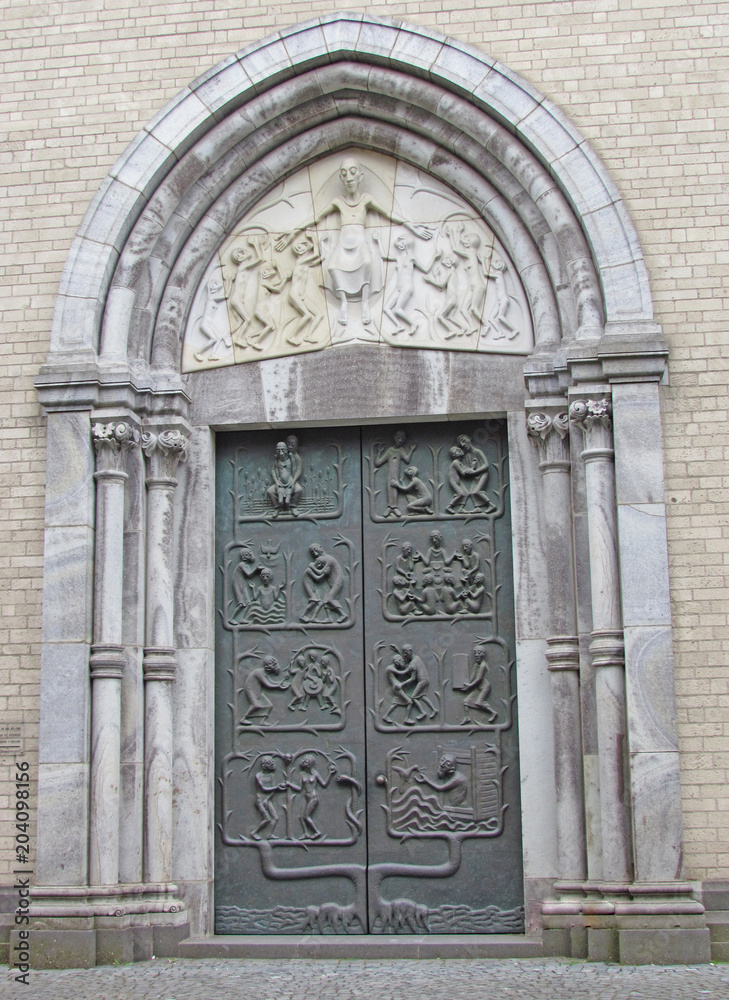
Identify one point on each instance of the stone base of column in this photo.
(79, 927)
(630, 923)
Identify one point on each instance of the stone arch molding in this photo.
(348, 80)
(128, 656)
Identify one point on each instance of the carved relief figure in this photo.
(405, 596)
(405, 562)
(243, 580)
(399, 451)
(496, 319)
(297, 672)
(350, 265)
(323, 583)
(469, 559)
(419, 498)
(473, 471)
(473, 596)
(269, 282)
(449, 782)
(266, 789)
(408, 679)
(421, 679)
(435, 558)
(310, 315)
(479, 686)
(286, 490)
(243, 292)
(467, 245)
(256, 682)
(396, 307)
(310, 782)
(211, 317)
(448, 312)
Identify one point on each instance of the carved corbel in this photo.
(113, 440)
(548, 429)
(594, 417)
(164, 450)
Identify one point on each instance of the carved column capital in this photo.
(113, 439)
(165, 449)
(594, 417)
(548, 429)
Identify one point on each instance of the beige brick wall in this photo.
(646, 83)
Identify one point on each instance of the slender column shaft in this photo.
(112, 441)
(549, 430)
(606, 646)
(163, 450)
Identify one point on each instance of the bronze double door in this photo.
(366, 727)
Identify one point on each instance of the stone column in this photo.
(164, 449)
(112, 440)
(548, 428)
(594, 419)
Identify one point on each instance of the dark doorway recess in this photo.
(366, 725)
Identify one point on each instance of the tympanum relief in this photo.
(358, 247)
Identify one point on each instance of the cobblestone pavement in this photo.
(449, 979)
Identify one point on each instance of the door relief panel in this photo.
(366, 726)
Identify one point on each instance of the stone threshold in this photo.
(372, 946)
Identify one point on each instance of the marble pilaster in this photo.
(164, 448)
(548, 428)
(643, 553)
(112, 441)
(594, 418)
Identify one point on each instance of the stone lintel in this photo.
(146, 394)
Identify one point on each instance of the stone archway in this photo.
(128, 777)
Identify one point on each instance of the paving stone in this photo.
(184, 979)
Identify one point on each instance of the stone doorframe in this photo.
(125, 807)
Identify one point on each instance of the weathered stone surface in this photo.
(664, 947)
(657, 821)
(64, 732)
(63, 823)
(644, 564)
(536, 761)
(68, 586)
(649, 689)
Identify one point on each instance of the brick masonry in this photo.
(644, 82)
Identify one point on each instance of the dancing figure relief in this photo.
(350, 250)
(310, 316)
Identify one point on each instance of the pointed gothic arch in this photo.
(590, 616)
